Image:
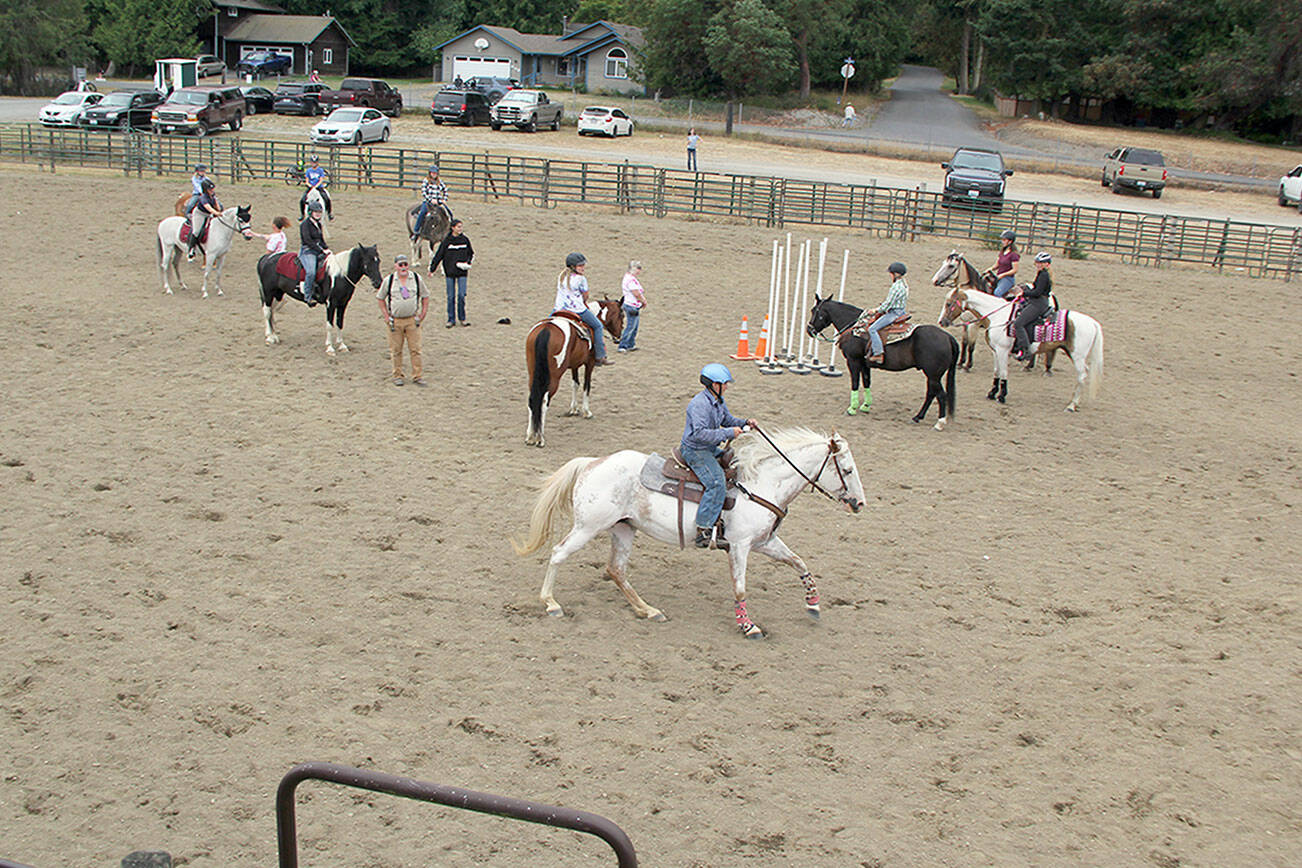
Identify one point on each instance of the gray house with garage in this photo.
(599, 57)
(313, 41)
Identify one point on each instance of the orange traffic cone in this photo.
(743, 343)
(762, 351)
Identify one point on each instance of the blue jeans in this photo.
(424, 210)
(1004, 284)
(595, 324)
(189, 206)
(632, 315)
(880, 323)
(705, 463)
(456, 298)
(691, 159)
(308, 258)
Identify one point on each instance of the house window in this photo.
(617, 63)
(327, 56)
(232, 12)
(562, 66)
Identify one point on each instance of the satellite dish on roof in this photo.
(481, 43)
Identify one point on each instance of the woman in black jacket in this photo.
(1035, 304)
(455, 255)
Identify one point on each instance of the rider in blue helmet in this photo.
(708, 425)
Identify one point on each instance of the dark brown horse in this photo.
(558, 344)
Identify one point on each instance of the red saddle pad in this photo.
(287, 265)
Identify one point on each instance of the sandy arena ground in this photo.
(1049, 639)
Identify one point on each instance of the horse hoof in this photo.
(587, 415)
(555, 611)
(916, 419)
(1002, 400)
(753, 632)
(219, 292)
(814, 612)
(939, 426)
(1070, 408)
(991, 396)
(850, 411)
(343, 348)
(330, 351)
(1048, 373)
(205, 295)
(168, 290)
(657, 615)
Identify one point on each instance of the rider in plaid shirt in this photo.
(432, 192)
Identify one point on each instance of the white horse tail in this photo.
(1094, 362)
(554, 500)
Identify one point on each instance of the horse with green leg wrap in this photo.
(929, 348)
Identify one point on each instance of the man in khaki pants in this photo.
(404, 301)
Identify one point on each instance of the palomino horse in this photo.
(181, 202)
(604, 495)
(342, 271)
(956, 264)
(1083, 341)
(222, 229)
(432, 231)
(932, 350)
(558, 344)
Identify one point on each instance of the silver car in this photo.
(351, 126)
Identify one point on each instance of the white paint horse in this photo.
(605, 495)
(1083, 342)
(222, 229)
(957, 270)
(342, 272)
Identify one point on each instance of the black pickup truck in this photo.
(362, 92)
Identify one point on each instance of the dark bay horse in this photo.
(558, 344)
(432, 231)
(279, 275)
(930, 348)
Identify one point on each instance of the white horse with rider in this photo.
(222, 229)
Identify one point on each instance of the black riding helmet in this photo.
(897, 268)
(1008, 235)
(207, 183)
(575, 259)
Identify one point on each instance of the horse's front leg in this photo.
(1082, 374)
(574, 393)
(269, 322)
(587, 388)
(999, 388)
(737, 554)
(775, 548)
(336, 315)
(934, 390)
(219, 265)
(621, 546)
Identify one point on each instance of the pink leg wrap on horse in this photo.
(743, 620)
(811, 590)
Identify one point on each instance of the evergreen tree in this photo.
(750, 49)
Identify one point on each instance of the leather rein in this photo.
(832, 449)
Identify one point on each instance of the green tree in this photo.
(750, 48)
(673, 59)
(806, 20)
(133, 33)
(876, 33)
(38, 33)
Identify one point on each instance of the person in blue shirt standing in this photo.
(316, 178)
(708, 425)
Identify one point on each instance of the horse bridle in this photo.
(832, 449)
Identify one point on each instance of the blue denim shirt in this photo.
(708, 422)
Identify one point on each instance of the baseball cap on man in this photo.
(401, 259)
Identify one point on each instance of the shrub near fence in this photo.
(1263, 250)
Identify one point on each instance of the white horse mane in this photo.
(337, 263)
(753, 450)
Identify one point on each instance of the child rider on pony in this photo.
(708, 424)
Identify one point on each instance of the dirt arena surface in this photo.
(1049, 639)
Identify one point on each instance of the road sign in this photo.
(847, 70)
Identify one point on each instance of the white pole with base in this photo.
(818, 293)
(765, 362)
(798, 366)
(785, 355)
(830, 370)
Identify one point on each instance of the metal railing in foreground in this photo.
(1262, 250)
(454, 797)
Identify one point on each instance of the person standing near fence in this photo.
(404, 302)
(634, 303)
(456, 256)
(692, 141)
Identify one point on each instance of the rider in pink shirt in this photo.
(276, 241)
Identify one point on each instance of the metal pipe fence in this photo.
(1262, 250)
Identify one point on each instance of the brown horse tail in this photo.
(540, 379)
(554, 500)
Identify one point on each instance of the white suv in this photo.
(1290, 188)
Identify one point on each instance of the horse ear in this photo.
(817, 299)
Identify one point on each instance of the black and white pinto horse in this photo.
(222, 229)
(432, 231)
(342, 271)
(929, 348)
(957, 271)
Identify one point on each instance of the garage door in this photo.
(472, 67)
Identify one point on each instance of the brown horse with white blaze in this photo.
(561, 343)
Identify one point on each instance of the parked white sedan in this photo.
(351, 126)
(1290, 188)
(605, 120)
(66, 109)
